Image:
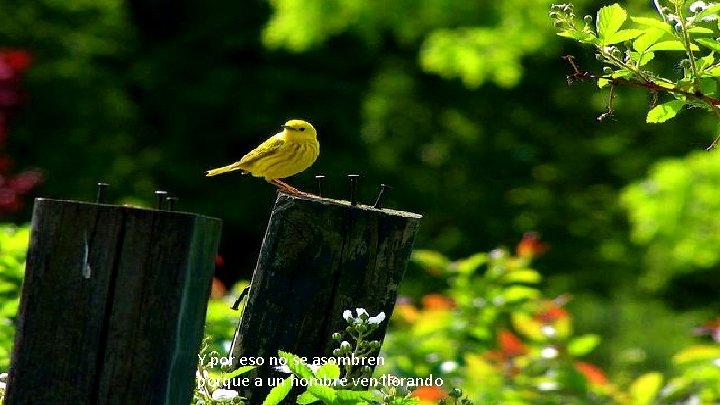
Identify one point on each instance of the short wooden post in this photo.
(319, 257)
(113, 305)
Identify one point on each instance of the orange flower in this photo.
(407, 312)
(510, 344)
(438, 302)
(429, 393)
(218, 289)
(530, 245)
(592, 373)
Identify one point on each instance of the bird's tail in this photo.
(224, 169)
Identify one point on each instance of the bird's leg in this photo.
(288, 188)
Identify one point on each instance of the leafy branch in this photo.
(629, 59)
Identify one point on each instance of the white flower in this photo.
(224, 395)
(698, 6)
(377, 319)
(347, 315)
(362, 313)
(448, 366)
(548, 352)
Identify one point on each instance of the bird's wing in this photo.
(267, 148)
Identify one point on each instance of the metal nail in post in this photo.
(171, 202)
(101, 189)
(353, 188)
(320, 179)
(159, 199)
(378, 200)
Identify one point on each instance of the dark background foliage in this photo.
(148, 95)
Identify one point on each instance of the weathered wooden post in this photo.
(113, 305)
(319, 257)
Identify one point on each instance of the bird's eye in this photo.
(301, 129)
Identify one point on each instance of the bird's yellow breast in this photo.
(291, 158)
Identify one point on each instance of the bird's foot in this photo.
(290, 189)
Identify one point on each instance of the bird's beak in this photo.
(286, 126)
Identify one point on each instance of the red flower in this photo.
(17, 59)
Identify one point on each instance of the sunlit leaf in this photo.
(328, 370)
(519, 293)
(523, 276)
(609, 20)
(306, 398)
(647, 39)
(581, 36)
(279, 392)
(644, 389)
(665, 111)
(323, 393)
(237, 372)
(700, 30)
(697, 353)
(653, 22)
(622, 36)
(709, 43)
(671, 45)
(583, 345)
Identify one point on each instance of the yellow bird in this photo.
(284, 154)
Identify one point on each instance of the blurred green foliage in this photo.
(13, 247)
(462, 106)
(492, 334)
(674, 213)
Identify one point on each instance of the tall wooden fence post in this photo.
(319, 258)
(113, 305)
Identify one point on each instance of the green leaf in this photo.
(580, 36)
(306, 398)
(609, 20)
(646, 57)
(523, 276)
(647, 39)
(622, 36)
(241, 370)
(583, 345)
(665, 111)
(354, 397)
(279, 392)
(709, 43)
(519, 293)
(328, 370)
(705, 61)
(697, 353)
(468, 265)
(653, 22)
(671, 45)
(644, 390)
(708, 86)
(323, 393)
(699, 30)
(296, 365)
